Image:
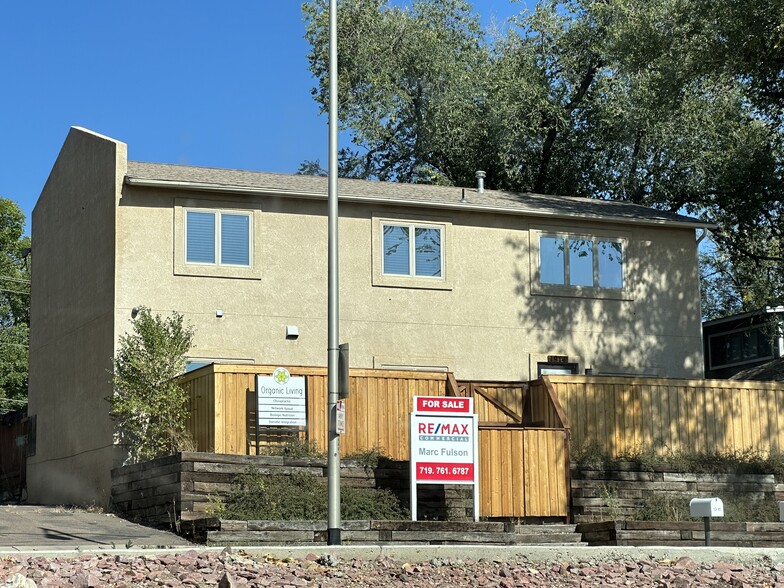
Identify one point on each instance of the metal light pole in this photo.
(333, 312)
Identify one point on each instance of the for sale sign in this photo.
(444, 441)
(439, 405)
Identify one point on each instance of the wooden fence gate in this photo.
(523, 449)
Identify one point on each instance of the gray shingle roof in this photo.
(772, 371)
(238, 181)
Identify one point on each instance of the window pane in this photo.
(396, 251)
(428, 252)
(580, 262)
(200, 241)
(740, 347)
(551, 260)
(235, 239)
(610, 264)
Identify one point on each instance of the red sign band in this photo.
(445, 472)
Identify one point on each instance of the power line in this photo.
(14, 291)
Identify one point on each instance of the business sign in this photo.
(281, 400)
(444, 441)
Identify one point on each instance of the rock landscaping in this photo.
(226, 569)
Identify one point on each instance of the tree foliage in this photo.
(14, 304)
(673, 104)
(148, 404)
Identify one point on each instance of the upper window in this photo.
(218, 238)
(412, 250)
(580, 261)
(739, 347)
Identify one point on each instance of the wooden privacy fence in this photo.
(622, 414)
(523, 449)
(523, 439)
(223, 408)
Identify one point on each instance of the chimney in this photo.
(480, 181)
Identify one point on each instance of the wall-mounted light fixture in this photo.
(135, 312)
(219, 313)
(292, 331)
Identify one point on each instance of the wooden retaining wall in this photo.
(682, 533)
(175, 490)
(602, 494)
(622, 414)
(386, 532)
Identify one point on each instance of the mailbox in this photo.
(706, 507)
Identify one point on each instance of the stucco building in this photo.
(490, 285)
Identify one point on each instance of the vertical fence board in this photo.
(545, 480)
(669, 414)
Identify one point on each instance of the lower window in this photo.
(553, 369)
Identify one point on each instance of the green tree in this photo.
(410, 85)
(667, 103)
(733, 284)
(14, 305)
(148, 404)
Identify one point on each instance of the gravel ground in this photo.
(236, 568)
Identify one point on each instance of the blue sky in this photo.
(188, 82)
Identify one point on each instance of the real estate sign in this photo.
(281, 399)
(444, 441)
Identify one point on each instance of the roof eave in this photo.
(233, 189)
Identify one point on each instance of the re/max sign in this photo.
(430, 428)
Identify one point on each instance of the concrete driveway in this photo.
(46, 528)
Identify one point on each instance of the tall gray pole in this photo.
(333, 311)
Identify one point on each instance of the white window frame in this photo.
(412, 227)
(217, 215)
(181, 267)
(411, 280)
(566, 289)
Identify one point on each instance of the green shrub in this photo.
(369, 458)
(662, 507)
(148, 405)
(737, 509)
(300, 496)
(297, 448)
(747, 461)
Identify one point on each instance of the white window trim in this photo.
(567, 290)
(216, 270)
(412, 227)
(379, 278)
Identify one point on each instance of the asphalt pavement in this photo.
(47, 528)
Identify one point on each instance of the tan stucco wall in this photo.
(486, 324)
(71, 330)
